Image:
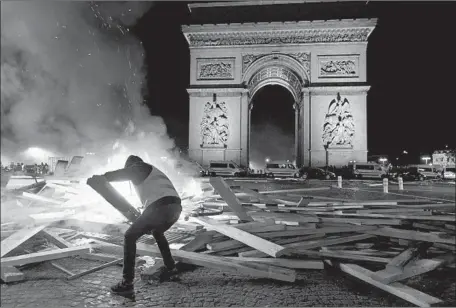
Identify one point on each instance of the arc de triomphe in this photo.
(321, 63)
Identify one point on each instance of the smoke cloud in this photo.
(73, 78)
(270, 141)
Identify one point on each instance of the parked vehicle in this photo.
(316, 173)
(281, 169)
(429, 172)
(368, 170)
(226, 168)
(449, 173)
(192, 169)
(410, 174)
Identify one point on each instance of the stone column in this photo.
(250, 130)
(306, 130)
(297, 158)
(244, 129)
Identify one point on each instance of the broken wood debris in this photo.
(274, 234)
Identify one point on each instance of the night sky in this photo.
(410, 69)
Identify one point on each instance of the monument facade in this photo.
(321, 63)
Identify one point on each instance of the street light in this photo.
(426, 158)
(267, 160)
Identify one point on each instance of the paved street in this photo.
(45, 285)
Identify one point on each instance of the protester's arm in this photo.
(136, 174)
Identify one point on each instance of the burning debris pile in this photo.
(268, 234)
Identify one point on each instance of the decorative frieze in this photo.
(338, 66)
(302, 57)
(339, 126)
(215, 68)
(221, 92)
(305, 36)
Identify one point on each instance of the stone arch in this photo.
(252, 64)
(282, 70)
(276, 75)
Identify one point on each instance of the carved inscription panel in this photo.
(338, 66)
(215, 68)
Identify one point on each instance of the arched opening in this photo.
(272, 126)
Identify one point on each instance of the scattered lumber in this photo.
(255, 270)
(18, 238)
(411, 295)
(267, 247)
(267, 234)
(226, 193)
(44, 256)
(11, 274)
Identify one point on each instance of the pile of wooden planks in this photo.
(390, 241)
(272, 235)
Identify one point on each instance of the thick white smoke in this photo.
(72, 83)
(72, 77)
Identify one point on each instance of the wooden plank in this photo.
(414, 268)
(199, 242)
(285, 242)
(18, 238)
(45, 256)
(59, 267)
(344, 255)
(395, 216)
(450, 226)
(99, 257)
(112, 196)
(232, 244)
(411, 295)
(39, 198)
(403, 258)
(94, 269)
(256, 242)
(445, 246)
(255, 253)
(230, 198)
(363, 221)
(287, 263)
(413, 235)
(284, 217)
(11, 274)
(55, 239)
(220, 263)
(296, 248)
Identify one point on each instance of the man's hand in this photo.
(95, 179)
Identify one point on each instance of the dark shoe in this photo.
(123, 288)
(163, 274)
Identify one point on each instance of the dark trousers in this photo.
(156, 219)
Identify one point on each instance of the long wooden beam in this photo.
(253, 241)
(44, 256)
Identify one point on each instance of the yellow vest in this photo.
(156, 186)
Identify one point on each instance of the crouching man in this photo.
(162, 208)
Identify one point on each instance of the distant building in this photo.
(444, 157)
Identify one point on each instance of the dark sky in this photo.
(411, 68)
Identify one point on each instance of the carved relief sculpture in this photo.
(214, 125)
(215, 69)
(338, 66)
(303, 58)
(339, 127)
